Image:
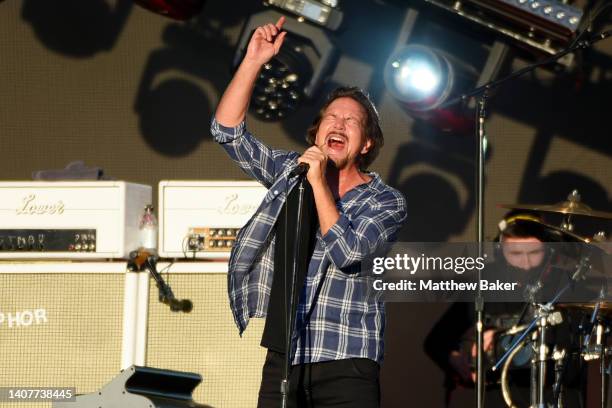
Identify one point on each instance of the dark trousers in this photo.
(350, 383)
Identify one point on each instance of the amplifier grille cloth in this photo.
(79, 345)
(206, 341)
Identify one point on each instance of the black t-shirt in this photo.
(274, 334)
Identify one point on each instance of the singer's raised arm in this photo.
(255, 158)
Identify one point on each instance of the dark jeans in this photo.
(350, 383)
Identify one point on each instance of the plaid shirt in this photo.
(339, 315)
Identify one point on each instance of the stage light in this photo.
(295, 73)
(419, 76)
(175, 9)
(422, 78)
(278, 90)
(324, 13)
(545, 26)
(433, 64)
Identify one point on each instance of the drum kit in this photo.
(533, 346)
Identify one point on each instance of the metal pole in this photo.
(284, 385)
(479, 304)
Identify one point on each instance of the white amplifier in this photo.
(200, 219)
(70, 219)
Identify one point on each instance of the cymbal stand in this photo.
(529, 328)
(561, 358)
(601, 336)
(600, 326)
(545, 317)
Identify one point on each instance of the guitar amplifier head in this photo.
(200, 219)
(70, 219)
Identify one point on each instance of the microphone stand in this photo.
(290, 302)
(145, 260)
(483, 92)
(479, 302)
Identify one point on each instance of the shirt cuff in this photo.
(224, 134)
(336, 230)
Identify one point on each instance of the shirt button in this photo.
(275, 192)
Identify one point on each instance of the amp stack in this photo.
(73, 315)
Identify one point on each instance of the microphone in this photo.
(176, 305)
(301, 169)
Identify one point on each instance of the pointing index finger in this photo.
(280, 22)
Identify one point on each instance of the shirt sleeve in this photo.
(445, 336)
(350, 241)
(254, 157)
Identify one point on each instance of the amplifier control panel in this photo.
(47, 240)
(211, 239)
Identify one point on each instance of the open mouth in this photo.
(336, 141)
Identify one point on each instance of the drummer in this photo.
(450, 343)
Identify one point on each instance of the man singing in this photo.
(348, 214)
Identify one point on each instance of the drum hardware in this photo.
(572, 206)
(504, 376)
(598, 325)
(599, 349)
(540, 323)
(598, 249)
(604, 308)
(560, 358)
(600, 236)
(546, 317)
(516, 329)
(601, 343)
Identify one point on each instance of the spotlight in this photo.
(295, 73)
(433, 63)
(419, 76)
(175, 9)
(422, 78)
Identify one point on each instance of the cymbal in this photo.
(604, 307)
(606, 247)
(552, 233)
(572, 206)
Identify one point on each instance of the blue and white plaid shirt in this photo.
(339, 314)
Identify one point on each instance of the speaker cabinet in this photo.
(60, 325)
(206, 341)
(77, 324)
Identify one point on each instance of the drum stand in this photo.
(599, 349)
(545, 317)
(560, 358)
(600, 343)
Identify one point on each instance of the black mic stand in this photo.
(480, 133)
(166, 295)
(290, 302)
(479, 303)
